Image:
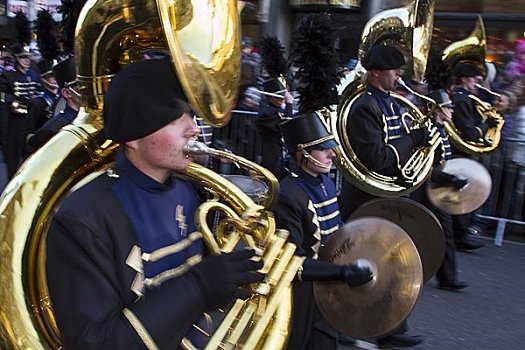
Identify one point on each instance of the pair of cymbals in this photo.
(470, 197)
(379, 306)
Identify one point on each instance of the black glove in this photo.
(420, 137)
(355, 275)
(220, 277)
(492, 122)
(441, 179)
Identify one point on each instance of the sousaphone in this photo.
(472, 50)
(203, 40)
(409, 29)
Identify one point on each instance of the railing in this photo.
(506, 202)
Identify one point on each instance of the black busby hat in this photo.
(466, 70)
(306, 131)
(65, 72)
(274, 63)
(442, 98)
(141, 99)
(45, 68)
(383, 57)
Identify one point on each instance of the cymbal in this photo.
(470, 197)
(378, 307)
(417, 221)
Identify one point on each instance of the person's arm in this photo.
(464, 118)
(366, 133)
(94, 306)
(90, 310)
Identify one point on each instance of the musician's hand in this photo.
(221, 276)
(355, 275)
(420, 137)
(442, 179)
(288, 97)
(492, 122)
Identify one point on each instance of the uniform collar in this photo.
(303, 175)
(139, 178)
(377, 92)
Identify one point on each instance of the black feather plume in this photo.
(46, 35)
(315, 56)
(70, 11)
(436, 74)
(273, 56)
(23, 28)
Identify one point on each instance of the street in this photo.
(488, 315)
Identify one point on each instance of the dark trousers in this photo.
(447, 270)
(17, 131)
(460, 224)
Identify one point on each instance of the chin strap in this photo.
(315, 161)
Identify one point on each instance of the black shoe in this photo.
(468, 244)
(399, 340)
(452, 285)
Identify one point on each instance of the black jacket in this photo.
(89, 281)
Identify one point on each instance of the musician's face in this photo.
(386, 80)
(324, 156)
(23, 62)
(161, 153)
(469, 83)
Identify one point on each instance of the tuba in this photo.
(409, 29)
(472, 50)
(110, 35)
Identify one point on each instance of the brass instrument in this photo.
(378, 307)
(472, 50)
(109, 36)
(408, 28)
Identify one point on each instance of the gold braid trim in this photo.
(315, 142)
(140, 329)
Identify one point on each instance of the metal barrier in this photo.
(507, 169)
(240, 135)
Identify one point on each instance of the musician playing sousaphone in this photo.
(126, 267)
(380, 141)
(447, 272)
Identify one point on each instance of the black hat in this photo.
(466, 70)
(45, 68)
(65, 72)
(18, 50)
(383, 57)
(273, 87)
(141, 99)
(306, 131)
(442, 98)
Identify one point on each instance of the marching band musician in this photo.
(379, 141)
(39, 109)
(308, 209)
(472, 127)
(17, 87)
(66, 76)
(447, 272)
(126, 268)
(277, 108)
(466, 117)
